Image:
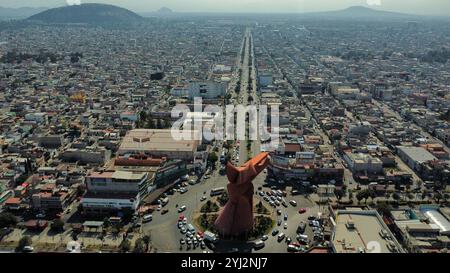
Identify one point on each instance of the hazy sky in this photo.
(438, 7)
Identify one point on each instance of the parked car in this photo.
(147, 218)
(259, 244)
(28, 249)
(301, 227)
(182, 208)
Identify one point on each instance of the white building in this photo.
(114, 190)
(207, 89)
(363, 163)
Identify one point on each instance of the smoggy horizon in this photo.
(422, 7)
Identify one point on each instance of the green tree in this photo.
(437, 197)
(139, 246)
(384, 208)
(350, 195)
(446, 197)
(212, 158)
(125, 246)
(23, 242)
(146, 239)
(339, 194)
(396, 196)
(57, 225)
(7, 219)
(360, 196)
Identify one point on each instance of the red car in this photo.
(302, 210)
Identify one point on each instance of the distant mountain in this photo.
(19, 13)
(360, 12)
(165, 10)
(88, 14)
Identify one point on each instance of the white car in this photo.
(293, 203)
(182, 208)
(28, 249)
(285, 225)
(147, 218)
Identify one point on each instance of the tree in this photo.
(212, 158)
(106, 222)
(437, 196)
(23, 242)
(125, 245)
(7, 219)
(57, 225)
(139, 246)
(360, 196)
(446, 197)
(146, 239)
(396, 196)
(364, 194)
(384, 208)
(339, 194)
(372, 194)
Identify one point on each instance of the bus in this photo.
(217, 191)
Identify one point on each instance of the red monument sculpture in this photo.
(236, 217)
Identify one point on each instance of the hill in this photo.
(359, 12)
(87, 14)
(19, 13)
(165, 10)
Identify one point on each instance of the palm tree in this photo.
(146, 239)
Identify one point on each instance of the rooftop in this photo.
(418, 154)
(360, 230)
(147, 140)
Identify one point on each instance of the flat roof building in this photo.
(414, 156)
(358, 231)
(159, 143)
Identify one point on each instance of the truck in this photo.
(209, 236)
